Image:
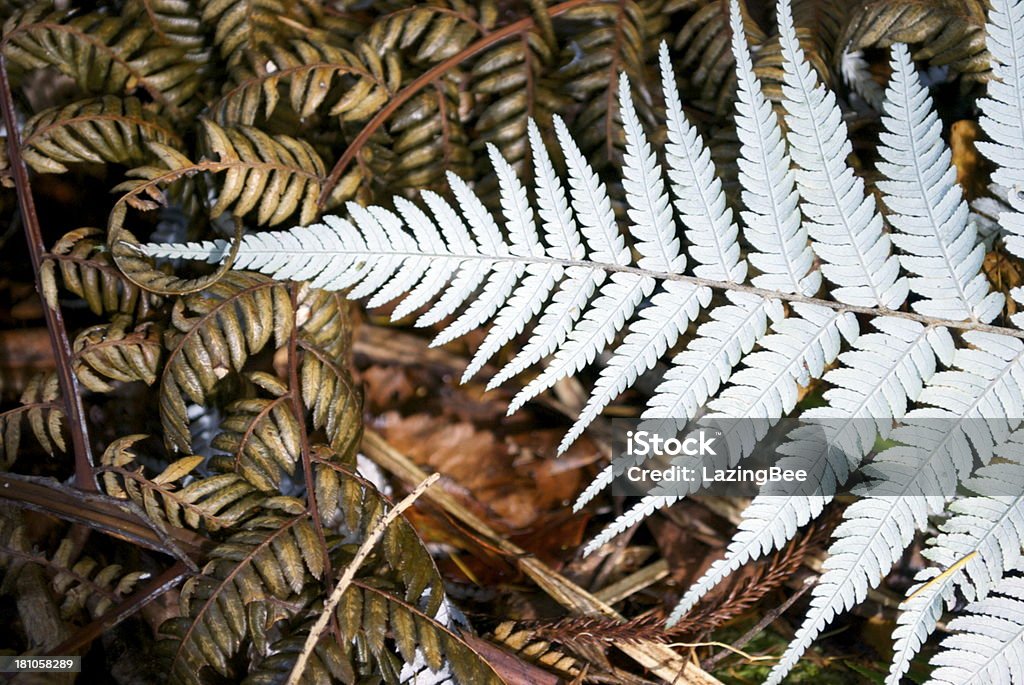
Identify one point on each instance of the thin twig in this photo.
(72, 400)
(944, 575)
(767, 620)
(734, 650)
(350, 573)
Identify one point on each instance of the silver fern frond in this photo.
(976, 547)
(800, 283)
(1003, 119)
(927, 207)
(989, 644)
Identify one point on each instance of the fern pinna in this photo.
(897, 321)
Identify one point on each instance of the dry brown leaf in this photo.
(1003, 273)
(971, 173)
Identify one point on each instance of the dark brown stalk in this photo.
(114, 517)
(295, 393)
(72, 400)
(424, 80)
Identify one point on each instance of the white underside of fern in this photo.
(809, 227)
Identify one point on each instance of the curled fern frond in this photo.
(41, 406)
(104, 129)
(88, 271)
(279, 174)
(114, 352)
(213, 335)
(104, 54)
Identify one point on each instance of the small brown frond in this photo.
(176, 23)
(102, 53)
(515, 78)
(81, 582)
(328, 392)
(261, 436)
(113, 351)
(351, 507)
(429, 138)
(373, 621)
(304, 73)
(41, 406)
(431, 33)
(214, 502)
(945, 32)
(88, 271)
(617, 39)
(370, 95)
(213, 333)
(525, 643)
(242, 28)
(580, 632)
(96, 130)
(270, 561)
(274, 175)
(279, 174)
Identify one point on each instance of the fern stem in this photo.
(304, 449)
(421, 82)
(100, 512)
(72, 400)
(625, 268)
